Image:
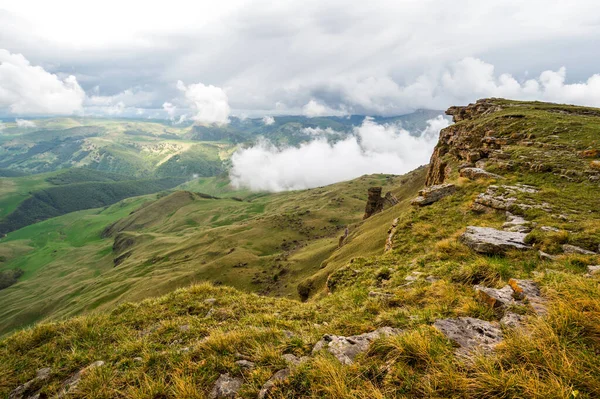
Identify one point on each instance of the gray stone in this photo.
(210, 301)
(31, 388)
(572, 249)
(226, 387)
(495, 297)
(345, 349)
(516, 223)
(478, 173)
(549, 229)
(529, 290)
(512, 320)
(278, 376)
(245, 364)
(382, 295)
(432, 279)
(593, 270)
(487, 240)
(293, 360)
(470, 333)
(433, 194)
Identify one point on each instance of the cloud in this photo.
(30, 90)
(2, 126)
(314, 108)
(209, 102)
(24, 123)
(372, 148)
(170, 109)
(268, 120)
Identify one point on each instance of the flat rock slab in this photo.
(278, 376)
(345, 349)
(470, 333)
(487, 240)
(495, 297)
(478, 173)
(572, 249)
(226, 386)
(433, 194)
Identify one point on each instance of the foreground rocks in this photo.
(70, 385)
(433, 194)
(516, 292)
(376, 203)
(345, 349)
(226, 387)
(487, 240)
(470, 333)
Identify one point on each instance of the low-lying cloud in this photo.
(372, 148)
(25, 123)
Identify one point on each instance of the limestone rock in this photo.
(433, 194)
(495, 298)
(382, 295)
(389, 242)
(31, 388)
(516, 223)
(572, 249)
(512, 320)
(593, 270)
(376, 203)
(544, 256)
(529, 290)
(345, 349)
(293, 360)
(470, 333)
(226, 387)
(245, 364)
(278, 376)
(487, 240)
(478, 173)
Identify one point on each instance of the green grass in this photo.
(184, 238)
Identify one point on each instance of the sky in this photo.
(207, 61)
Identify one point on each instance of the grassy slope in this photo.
(556, 357)
(277, 239)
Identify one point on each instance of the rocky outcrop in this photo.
(478, 173)
(572, 249)
(461, 142)
(70, 384)
(281, 375)
(487, 240)
(516, 292)
(389, 241)
(433, 194)
(345, 349)
(226, 387)
(376, 203)
(470, 333)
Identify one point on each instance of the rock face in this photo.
(345, 349)
(462, 142)
(31, 388)
(226, 387)
(470, 333)
(487, 240)
(478, 173)
(433, 194)
(376, 203)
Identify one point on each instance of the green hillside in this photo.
(510, 250)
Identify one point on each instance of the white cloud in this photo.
(30, 90)
(25, 123)
(2, 126)
(314, 108)
(209, 102)
(268, 120)
(373, 148)
(170, 109)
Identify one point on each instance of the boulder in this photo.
(433, 194)
(512, 320)
(470, 333)
(226, 387)
(293, 360)
(487, 240)
(478, 173)
(345, 349)
(278, 376)
(572, 249)
(245, 364)
(530, 291)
